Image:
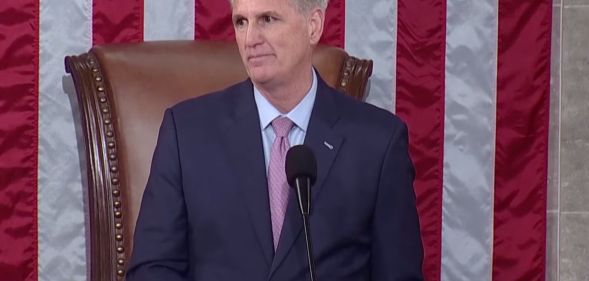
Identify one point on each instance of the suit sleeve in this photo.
(160, 249)
(397, 252)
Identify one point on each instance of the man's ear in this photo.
(316, 20)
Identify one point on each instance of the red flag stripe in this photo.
(523, 87)
(335, 24)
(19, 84)
(116, 21)
(420, 102)
(213, 20)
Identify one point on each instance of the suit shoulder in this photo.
(211, 106)
(367, 115)
(213, 99)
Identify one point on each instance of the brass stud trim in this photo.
(112, 173)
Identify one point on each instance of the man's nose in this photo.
(253, 35)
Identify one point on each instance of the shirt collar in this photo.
(299, 115)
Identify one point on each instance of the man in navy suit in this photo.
(216, 208)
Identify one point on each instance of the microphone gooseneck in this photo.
(301, 173)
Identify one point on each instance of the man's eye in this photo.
(267, 19)
(239, 22)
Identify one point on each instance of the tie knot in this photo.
(281, 126)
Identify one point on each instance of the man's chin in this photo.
(260, 78)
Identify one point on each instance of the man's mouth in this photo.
(256, 59)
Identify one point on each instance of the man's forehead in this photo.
(261, 6)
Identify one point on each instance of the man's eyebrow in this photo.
(268, 13)
(257, 15)
(235, 17)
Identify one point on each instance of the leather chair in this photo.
(122, 92)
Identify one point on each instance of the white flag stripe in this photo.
(168, 20)
(370, 32)
(469, 140)
(65, 29)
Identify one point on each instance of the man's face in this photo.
(275, 39)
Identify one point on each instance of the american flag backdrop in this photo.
(470, 77)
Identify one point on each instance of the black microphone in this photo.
(301, 173)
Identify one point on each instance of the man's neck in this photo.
(285, 96)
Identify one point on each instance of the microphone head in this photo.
(300, 162)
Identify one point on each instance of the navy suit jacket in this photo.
(205, 213)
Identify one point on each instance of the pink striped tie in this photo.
(277, 186)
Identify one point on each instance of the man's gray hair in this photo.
(307, 5)
(303, 5)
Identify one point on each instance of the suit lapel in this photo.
(325, 143)
(244, 144)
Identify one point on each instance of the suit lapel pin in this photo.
(328, 145)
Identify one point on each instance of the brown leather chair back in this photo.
(122, 92)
